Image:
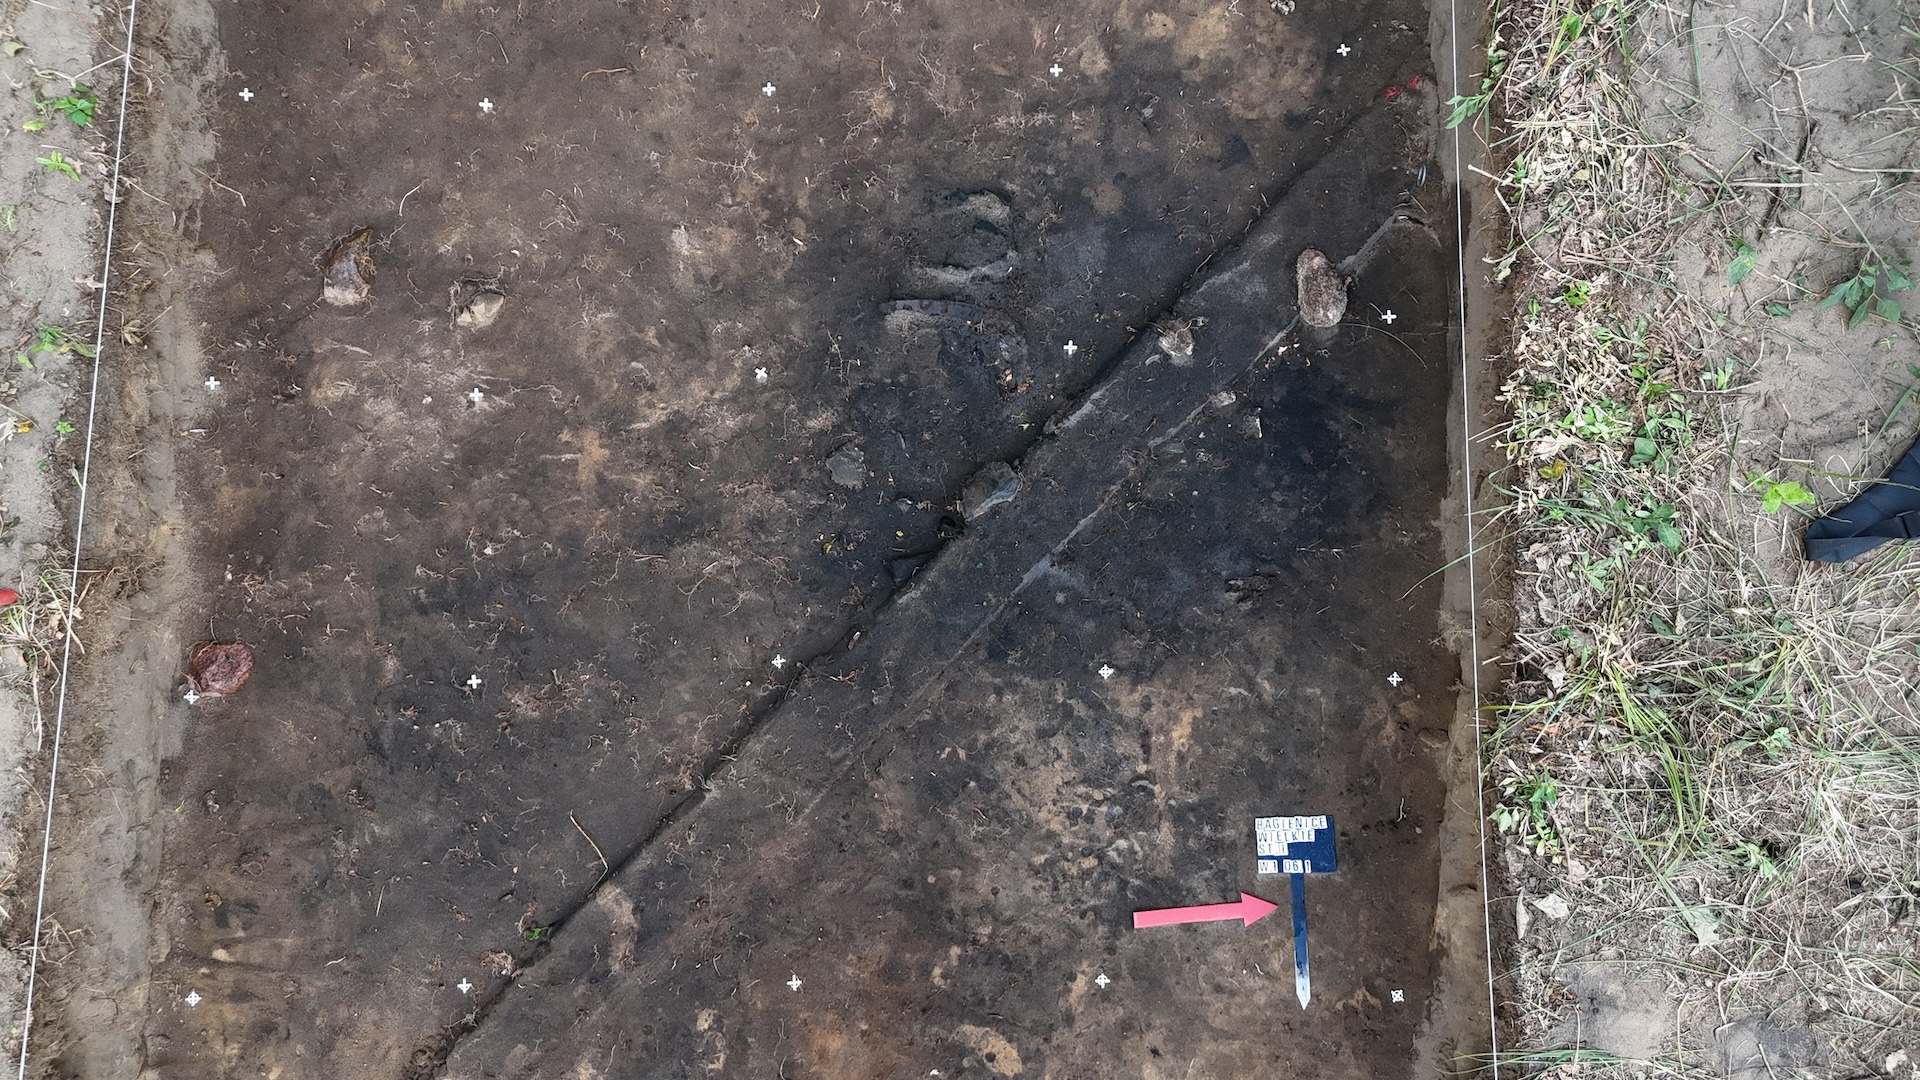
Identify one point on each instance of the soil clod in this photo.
(991, 486)
(1176, 340)
(216, 668)
(347, 270)
(848, 468)
(477, 304)
(1322, 289)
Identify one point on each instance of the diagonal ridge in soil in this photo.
(1071, 472)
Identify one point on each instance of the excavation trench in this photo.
(592, 731)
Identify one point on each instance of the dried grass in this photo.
(1708, 751)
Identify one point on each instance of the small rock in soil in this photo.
(219, 667)
(848, 468)
(476, 305)
(1176, 340)
(987, 488)
(1322, 289)
(347, 270)
(1553, 907)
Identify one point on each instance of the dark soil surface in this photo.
(641, 688)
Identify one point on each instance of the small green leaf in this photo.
(77, 106)
(1859, 316)
(56, 162)
(1670, 537)
(1778, 310)
(34, 125)
(1897, 281)
(12, 48)
(1644, 450)
(1742, 265)
(1887, 309)
(1776, 494)
(1465, 108)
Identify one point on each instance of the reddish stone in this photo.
(219, 667)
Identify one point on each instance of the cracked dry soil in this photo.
(632, 693)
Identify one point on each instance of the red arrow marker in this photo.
(1249, 909)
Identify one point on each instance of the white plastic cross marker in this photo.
(779, 662)
(1399, 996)
(1102, 981)
(476, 395)
(768, 89)
(1106, 672)
(463, 985)
(246, 93)
(1395, 680)
(473, 682)
(1069, 348)
(759, 374)
(1388, 316)
(212, 384)
(486, 105)
(1344, 49)
(192, 695)
(793, 984)
(1055, 70)
(194, 999)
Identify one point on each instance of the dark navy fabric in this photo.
(1889, 510)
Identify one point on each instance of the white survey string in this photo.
(79, 535)
(1472, 541)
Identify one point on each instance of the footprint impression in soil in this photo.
(969, 236)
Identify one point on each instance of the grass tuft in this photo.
(1707, 749)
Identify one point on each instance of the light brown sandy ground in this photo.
(1719, 879)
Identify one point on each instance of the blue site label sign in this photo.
(1293, 845)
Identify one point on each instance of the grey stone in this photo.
(848, 468)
